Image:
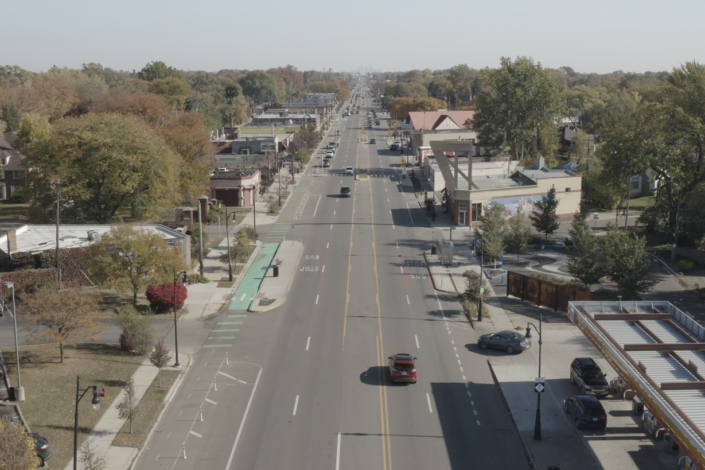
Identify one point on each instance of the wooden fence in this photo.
(542, 292)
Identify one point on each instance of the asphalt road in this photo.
(306, 385)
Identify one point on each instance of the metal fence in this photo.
(543, 292)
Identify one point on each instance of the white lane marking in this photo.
(337, 454)
(397, 246)
(478, 423)
(417, 342)
(412, 219)
(401, 269)
(454, 348)
(296, 405)
(467, 386)
(390, 212)
(387, 199)
(211, 402)
(428, 399)
(472, 402)
(327, 244)
(461, 370)
(317, 304)
(441, 308)
(385, 189)
(231, 377)
(459, 361)
(464, 378)
(243, 297)
(316, 209)
(469, 394)
(242, 423)
(393, 227)
(308, 343)
(407, 299)
(452, 341)
(457, 356)
(331, 226)
(196, 434)
(475, 411)
(333, 212)
(324, 269)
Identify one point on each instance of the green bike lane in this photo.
(224, 333)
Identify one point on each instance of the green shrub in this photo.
(684, 265)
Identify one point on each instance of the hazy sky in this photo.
(595, 36)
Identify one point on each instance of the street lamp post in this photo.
(182, 275)
(537, 424)
(19, 392)
(227, 237)
(96, 405)
(482, 287)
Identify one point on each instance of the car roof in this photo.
(404, 357)
(345, 187)
(586, 362)
(508, 332)
(588, 400)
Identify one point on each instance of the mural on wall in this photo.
(511, 203)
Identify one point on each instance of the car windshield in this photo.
(592, 373)
(403, 366)
(516, 336)
(596, 411)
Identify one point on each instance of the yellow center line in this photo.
(380, 360)
(385, 408)
(352, 231)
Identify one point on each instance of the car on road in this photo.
(345, 191)
(586, 412)
(41, 447)
(373, 141)
(330, 154)
(358, 111)
(402, 368)
(586, 374)
(508, 340)
(326, 164)
(395, 146)
(349, 170)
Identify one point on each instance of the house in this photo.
(11, 166)
(440, 125)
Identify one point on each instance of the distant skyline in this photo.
(601, 36)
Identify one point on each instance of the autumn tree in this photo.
(126, 406)
(401, 107)
(518, 233)
(61, 317)
(16, 447)
(175, 91)
(107, 164)
(137, 331)
(160, 357)
(129, 258)
(153, 109)
(518, 99)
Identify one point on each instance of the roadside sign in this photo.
(403, 161)
(389, 131)
(539, 385)
(596, 215)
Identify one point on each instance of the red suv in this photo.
(402, 368)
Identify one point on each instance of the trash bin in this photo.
(276, 271)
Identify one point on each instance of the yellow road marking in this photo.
(168, 435)
(157, 457)
(347, 288)
(381, 405)
(180, 413)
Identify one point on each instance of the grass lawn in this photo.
(268, 129)
(639, 203)
(50, 389)
(12, 210)
(147, 411)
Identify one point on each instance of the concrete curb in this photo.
(278, 303)
(433, 278)
(167, 400)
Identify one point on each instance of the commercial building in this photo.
(237, 188)
(427, 126)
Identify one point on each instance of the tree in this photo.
(518, 99)
(544, 217)
(258, 85)
(174, 90)
(159, 357)
(107, 164)
(157, 70)
(473, 283)
(137, 331)
(130, 259)
(90, 458)
(519, 234)
(163, 296)
(627, 262)
(61, 317)
(493, 230)
(126, 406)
(584, 257)
(16, 447)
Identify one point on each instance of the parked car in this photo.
(345, 191)
(510, 341)
(41, 446)
(586, 411)
(586, 374)
(395, 146)
(402, 368)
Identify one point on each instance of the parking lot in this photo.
(622, 445)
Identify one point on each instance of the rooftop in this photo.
(38, 238)
(660, 352)
(429, 119)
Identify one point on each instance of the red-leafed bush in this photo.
(161, 297)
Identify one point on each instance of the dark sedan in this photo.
(41, 446)
(510, 341)
(586, 411)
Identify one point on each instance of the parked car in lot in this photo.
(41, 446)
(586, 412)
(345, 191)
(402, 368)
(586, 374)
(508, 340)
